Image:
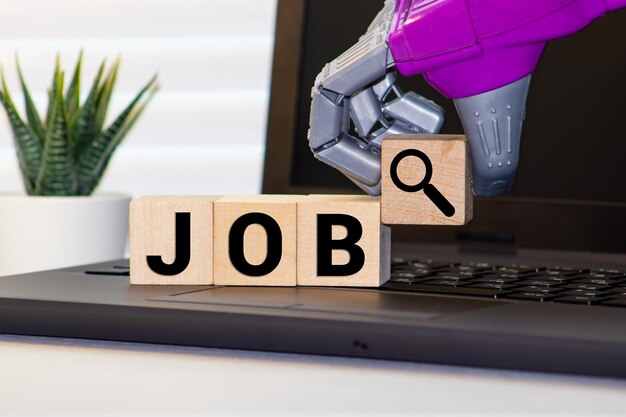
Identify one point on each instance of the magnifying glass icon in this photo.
(430, 190)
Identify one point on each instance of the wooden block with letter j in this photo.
(171, 240)
(426, 180)
(255, 240)
(341, 242)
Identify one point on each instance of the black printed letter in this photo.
(274, 244)
(183, 249)
(326, 245)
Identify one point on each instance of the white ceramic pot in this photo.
(39, 233)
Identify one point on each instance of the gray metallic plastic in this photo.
(327, 118)
(365, 111)
(493, 124)
(414, 109)
(397, 128)
(354, 159)
(382, 88)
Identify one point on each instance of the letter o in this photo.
(236, 244)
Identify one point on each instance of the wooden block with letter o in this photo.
(255, 240)
(426, 180)
(341, 242)
(171, 240)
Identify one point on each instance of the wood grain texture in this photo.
(282, 209)
(451, 176)
(152, 232)
(375, 241)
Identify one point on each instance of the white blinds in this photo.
(204, 131)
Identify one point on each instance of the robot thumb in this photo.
(493, 124)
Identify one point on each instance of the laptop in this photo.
(537, 281)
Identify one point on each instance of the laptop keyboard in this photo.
(475, 279)
(519, 282)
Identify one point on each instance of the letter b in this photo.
(326, 245)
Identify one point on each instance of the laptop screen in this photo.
(574, 139)
(571, 188)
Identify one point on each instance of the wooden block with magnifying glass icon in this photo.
(426, 180)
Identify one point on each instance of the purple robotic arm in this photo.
(481, 53)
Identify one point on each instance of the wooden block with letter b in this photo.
(426, 180)
(341, 242)
(255, 240)
(171, 240)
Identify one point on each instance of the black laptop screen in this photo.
(574, 139)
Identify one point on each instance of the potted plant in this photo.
(62, 157)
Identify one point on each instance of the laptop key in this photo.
(450, 282)
(406, 280)
(518, 269)
(421, 272)
(561, 272)
(599, 281)
(518, 276)
(481, 265)
(409, 267)
(430, 266)
(445, 289)
(587, 293)
(554, 278)
(567, 269)
(410, 271)
(497, 285)
(515, 275)
(470, 268)
(410, 274)
(541, 283)
(532, 296)
(437, 262)
(538, 288)
(457, 276)
(495, 279)
(578, 299)
(587, 286)
(600, 272)
(616, 276)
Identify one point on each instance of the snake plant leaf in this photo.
(96, 157)
(27, 145)
(52, 93)
(32, 114)
(57, 174)
(104, 97)
(117, 140)
(72, 96)
(83, 121)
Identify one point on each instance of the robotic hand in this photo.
(481, 53)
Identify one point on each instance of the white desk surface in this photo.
(47, 376)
